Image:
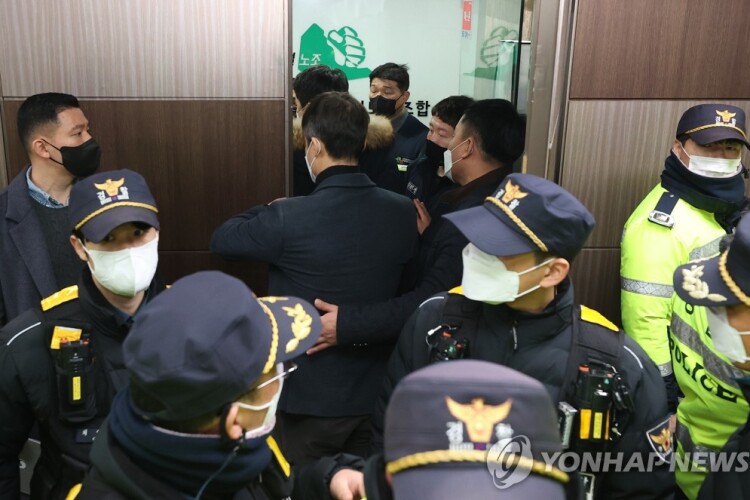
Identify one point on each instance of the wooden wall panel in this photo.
(614, 154)
(596, 279)
(3, 165)
(204, 160)
(670, 49)
(145, 48)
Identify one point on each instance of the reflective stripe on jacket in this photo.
(650, 254)
(714, 406)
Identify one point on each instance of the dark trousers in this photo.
(304, 438)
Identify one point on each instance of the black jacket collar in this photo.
(536, 328)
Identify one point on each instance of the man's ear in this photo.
(407, 94)
(318, 147)
(40, 148)
(78, 247)
(556, 272)
(231, 426)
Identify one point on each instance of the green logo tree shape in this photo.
(499, 54)
(341, 48)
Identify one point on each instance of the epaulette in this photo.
(457, 290)
(592, 316)
(57, 298)
(273, 445)
(662, 212)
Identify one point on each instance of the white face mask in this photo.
(727, 339)
(269, 421)
(448, 161)
(713, 167)
(486, 278)
(125, 272)
(310, 163)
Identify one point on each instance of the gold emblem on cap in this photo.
(512, 192)
(725, 115)
(697, 288)
(479, 418)
(110, 187)
(301, 326)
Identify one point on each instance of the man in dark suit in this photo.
(347, 241)
(36, 259)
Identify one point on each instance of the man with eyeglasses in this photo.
(207, 361)
(685, 217)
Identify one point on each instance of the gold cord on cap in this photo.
(274, 338)
(523, 227)
(116, 205)
(475, 456)
(698, 129)
(729, 281)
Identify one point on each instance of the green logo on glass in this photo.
(499, 54)
(341, 49)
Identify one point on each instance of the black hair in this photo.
(147, 403)
(138, 224)
(498, 129)
(398, 73)
(339, 121)
(318, 79)
(540, 257)
(40, 110)
(195, 425)
(452, 108)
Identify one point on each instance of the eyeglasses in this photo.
(286, 368)
(283, 370)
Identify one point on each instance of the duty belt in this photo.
(683, 436)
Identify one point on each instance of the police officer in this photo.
(717, 289)
(207, 362)
(516, 308)
(490, 413)
(698, 202)
(61, 364)
(684, 217)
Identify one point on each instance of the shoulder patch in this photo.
(274, 446)
(458, 290)
(592, 316)
(57, 298)
(661, 440)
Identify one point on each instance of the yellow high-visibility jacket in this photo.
(714, 406)
(674, 334)
(650, 255)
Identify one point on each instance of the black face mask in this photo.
(81, 161)
(382, 106)
(434, 152)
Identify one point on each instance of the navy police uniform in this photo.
(193, 351)
(530, 214)
(61, 364)
(32, 373)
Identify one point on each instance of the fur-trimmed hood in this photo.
(379, 134)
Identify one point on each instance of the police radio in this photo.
(594, 402)
(73, 359)
(603, 405)
(75, 383)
